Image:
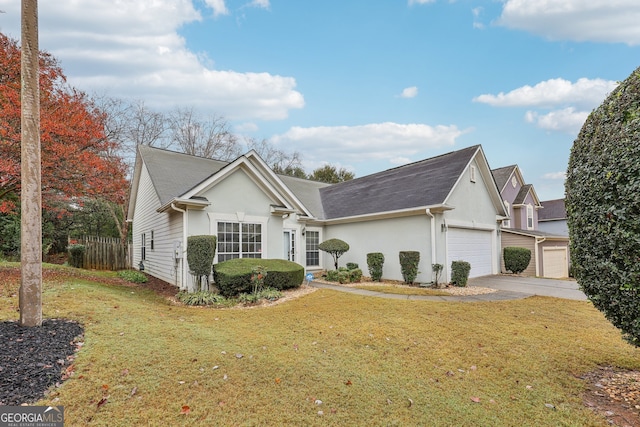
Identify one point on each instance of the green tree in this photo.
(603, 207)
(335, 247)
(331, 174)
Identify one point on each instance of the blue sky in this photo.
(362, 84)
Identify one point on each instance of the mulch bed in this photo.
(33, 359)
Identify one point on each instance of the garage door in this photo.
(473, 246)
(554, 262)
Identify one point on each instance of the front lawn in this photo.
(327, 358)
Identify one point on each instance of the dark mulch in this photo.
(33, 359)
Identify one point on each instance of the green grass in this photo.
(371, 361)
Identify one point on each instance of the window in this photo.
(151, 245)
(506, 223)
(529, 217)
(237, 240)
(313, 253)
(143, 246)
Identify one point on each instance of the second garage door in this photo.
(473, 246)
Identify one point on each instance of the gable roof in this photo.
(502, 175)
(426, 183)
(553, 210)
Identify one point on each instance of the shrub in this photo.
(335, 247)
(233, 277)
(344, 275)
(352, 265)
(200, 253)
(268, 294)
(603, 206)
(460, 273)
(516, 260)
(375, 260)
(76, 255)
(409, 261)
(133, 276)
(437, 271)
(200, 298)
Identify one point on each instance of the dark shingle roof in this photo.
(424, 183)
(553, 209)
(522, 194)
(173, 174)
(501, 175)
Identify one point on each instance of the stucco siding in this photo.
(388, 236)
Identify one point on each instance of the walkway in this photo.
(508, 288)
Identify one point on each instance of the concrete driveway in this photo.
(531, 286)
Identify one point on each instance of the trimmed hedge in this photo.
(76, 255)
(375, 260)
(335, 247)
(344, 275)
(460, 273)
(233, 277)
(409, 261)
(603, 207)
(200, 253)
(516, 260)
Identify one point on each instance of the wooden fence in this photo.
(105, 253)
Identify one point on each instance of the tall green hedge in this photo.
(201, 251)
(460, 272)
(516, 260)
(76, 255)
(409, 261)
(603, 207)
(375, 260)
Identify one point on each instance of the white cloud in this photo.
(565, 120)
(264, 4)
(555, 175)
(218, 6)
(372, 142)
(614, 21)
(400, 160)
(133, 50)
(587, 93)
(409, 92)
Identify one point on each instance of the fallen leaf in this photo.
(185, 410)
(348, 382)
(549, 405)
(318, 402)
(239, 356)
(278, 380)
(133, 391)
(410, 403)
(125, 372)
(102, 401)
(475, 399)
(105, 387)
(529, 387)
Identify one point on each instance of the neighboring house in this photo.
(446, 207)
(549, 250)
(553, 217)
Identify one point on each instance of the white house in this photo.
(447, 207)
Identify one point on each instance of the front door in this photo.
(290, 245)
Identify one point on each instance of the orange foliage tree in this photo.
(78, 161)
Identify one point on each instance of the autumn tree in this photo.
(331, 174)
(78, 160)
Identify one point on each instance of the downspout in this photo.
(433, 236)
(537, 252)
(185, 223)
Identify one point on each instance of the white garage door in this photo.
(554, 262)
(473, 246)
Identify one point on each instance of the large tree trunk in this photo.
(31, 193)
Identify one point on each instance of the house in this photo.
(553, 217)
(549, 250)
(446, 207)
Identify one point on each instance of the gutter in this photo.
(433, 235)
(185, 223)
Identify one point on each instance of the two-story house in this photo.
(549, 251)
